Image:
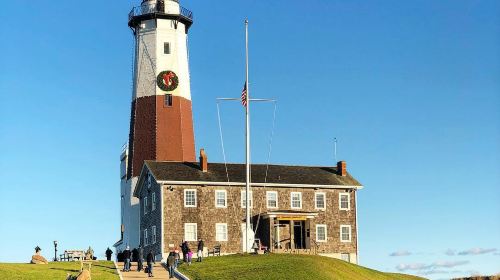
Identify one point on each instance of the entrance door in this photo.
(298, 234)
(249, 235)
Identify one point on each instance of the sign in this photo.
(291, 218)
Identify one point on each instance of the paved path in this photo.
(158, 271)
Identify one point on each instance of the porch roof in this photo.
(289, 214)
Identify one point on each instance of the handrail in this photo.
(315, 247)
(154, 9)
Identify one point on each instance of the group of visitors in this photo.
(173, 259)
(150, 260)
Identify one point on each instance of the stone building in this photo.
(300, 209)
(167, 196)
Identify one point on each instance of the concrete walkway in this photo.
(159, 272)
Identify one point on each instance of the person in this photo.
(126, 256)
(140, 258)
(108, 254)
(177, 257)
(189, 256)
(200, 249)
(185, 249)
(171, 264)
(150, 260)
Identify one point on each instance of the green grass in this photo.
(282, 266)
(55, 270)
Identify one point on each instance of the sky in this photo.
(411, 90)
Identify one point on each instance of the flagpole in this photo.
(247, 117)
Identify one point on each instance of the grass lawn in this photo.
(281, 266)
(55, 270)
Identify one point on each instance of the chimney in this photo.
(203, 161)
(342, 168)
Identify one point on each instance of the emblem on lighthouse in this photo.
(167, 80)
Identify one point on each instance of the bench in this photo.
(71, 255)
(216, 250)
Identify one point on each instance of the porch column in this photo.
(292, 236)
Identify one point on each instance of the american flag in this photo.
(244, 95)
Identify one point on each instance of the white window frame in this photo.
(195, 231)
(243, 199)
(291, 200)
(145, 202)
(350, 233)
(195, 198)
(267, 199)
(348, 201)
(153, 201)
(326, 233)
(153, 235)
(225, 199)
(146, 239)
(316, 200)
(225, 238)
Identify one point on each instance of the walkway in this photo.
(159, 272)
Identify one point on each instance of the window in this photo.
(189, 198)
(190, 232)
(220, 232)
(345, 257)
(166, 48)
(320, 200)
(150, 181)
(345, 233)
(145, 205)
(153, 201)
(153, 234)
(220, 199)
(344, 199)
(243, 199)
(168, 100)
(296, 200)
(321, 233)
(146, 237)
(272, 199)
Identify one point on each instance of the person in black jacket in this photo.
(200, 249)
(171, 264)
(126, 256)
(150, 260)
(108, 254)
(185, 250)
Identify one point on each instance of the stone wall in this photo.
(206, 215)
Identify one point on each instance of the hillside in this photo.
(55, 270)
(281, 266)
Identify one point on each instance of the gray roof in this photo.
(276, 174)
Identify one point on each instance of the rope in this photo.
(225, 161)
(268, 162)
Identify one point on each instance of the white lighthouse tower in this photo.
(161, 121)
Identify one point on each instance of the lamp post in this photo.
(55, 251)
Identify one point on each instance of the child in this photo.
(189, 256)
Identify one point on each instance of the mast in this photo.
(247, 118)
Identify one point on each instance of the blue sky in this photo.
(410, 89)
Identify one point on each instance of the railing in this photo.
(156, 9)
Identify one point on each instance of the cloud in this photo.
(477, 251)
(450, 252)
(430, 267)
(449, 264)
(400, 253)
(412, 266)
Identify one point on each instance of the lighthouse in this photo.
(161, 119)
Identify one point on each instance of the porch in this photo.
(288, 232)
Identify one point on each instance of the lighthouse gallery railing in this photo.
(154, 9)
